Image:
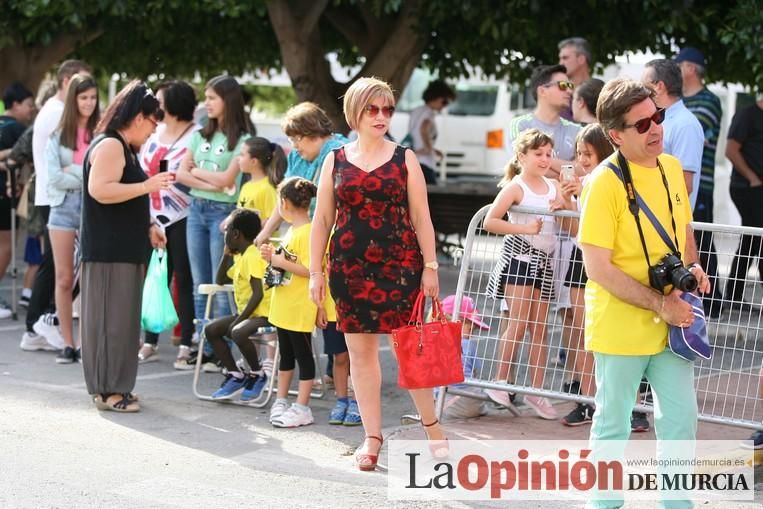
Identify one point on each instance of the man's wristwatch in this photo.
(432, 265)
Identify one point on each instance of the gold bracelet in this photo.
(662, 308)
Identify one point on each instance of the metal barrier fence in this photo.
(523, 355)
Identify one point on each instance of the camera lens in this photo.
(684, 280)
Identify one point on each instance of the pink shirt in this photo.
(82, 144)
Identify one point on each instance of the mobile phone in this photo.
(163, 165)
(567, 173)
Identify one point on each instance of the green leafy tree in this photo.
(384, 38)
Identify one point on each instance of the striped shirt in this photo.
(706, 106)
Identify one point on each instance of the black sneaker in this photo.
(580, 415)
(67, 356)
(639, 422)
(78, 355)
(757, 441)
(571, 387)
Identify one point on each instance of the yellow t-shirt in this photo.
(260, 197)
(246, 266)
(290, 306)
(613, 326)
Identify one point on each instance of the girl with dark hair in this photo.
(65, 153)
(169, 208)
(592, 147)
(584, 101)
(265, 162)
(291, 311)
(210, 169)
(116, 229)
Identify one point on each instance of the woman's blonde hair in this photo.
(360, 94)
(529, 139)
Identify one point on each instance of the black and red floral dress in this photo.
(375, 262)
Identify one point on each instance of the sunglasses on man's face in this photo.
(562, 84)
(644, 124)
(372, 110)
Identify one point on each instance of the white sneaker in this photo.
(46, 326)
(5, 313)
(499, 397)
(542, 407)
(182, 361)
(32, 342)
(294, 417)
(277, 410)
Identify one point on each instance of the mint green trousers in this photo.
(675, 403)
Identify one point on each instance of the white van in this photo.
(472, 131)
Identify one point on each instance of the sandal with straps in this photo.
(439, 449)
(124, 404)
(367, 462)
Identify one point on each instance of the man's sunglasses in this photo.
(372, 110)
(562, 84)
(644, 124)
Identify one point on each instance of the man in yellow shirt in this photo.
(618, 292)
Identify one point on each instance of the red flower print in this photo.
(364, 214)
(353, 197)
(360, 288)
(409, 237)
(391, 270)
(375, 223)
(372, 183)
(390, 320)
(374, 253)
(397, 252)
(347, 240)
(375, 208)
(395, 295)
(377, 296)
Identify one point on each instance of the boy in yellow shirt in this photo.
(242, 264)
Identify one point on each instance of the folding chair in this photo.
(265, 336)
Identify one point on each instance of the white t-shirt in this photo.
(416, 118)
(46, 122)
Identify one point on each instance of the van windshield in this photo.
(477, 100)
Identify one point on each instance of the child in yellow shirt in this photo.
(242, 264)
(291, 310)
(265, 163)
(345, 410)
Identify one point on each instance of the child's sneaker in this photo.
(352, 417)
(31, 341)
(279, 407)
(294, 417)
(339, 411)
(639, 422)
(757, 441)
(582, 414)
(542, 406)
(253, 387)
(67, 356)
(231, 386)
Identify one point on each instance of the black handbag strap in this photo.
(636, 203)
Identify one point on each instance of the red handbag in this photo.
(428, 354)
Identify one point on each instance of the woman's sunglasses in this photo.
(562, 84)
(644, 124)
(373, 110)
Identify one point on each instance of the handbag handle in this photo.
(417, 313)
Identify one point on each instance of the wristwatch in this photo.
(432, 265)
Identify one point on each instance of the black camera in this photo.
(671, 271)
(275, 276)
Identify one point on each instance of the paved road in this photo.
(57, 451)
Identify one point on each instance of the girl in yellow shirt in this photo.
(265, 163)
(291, 310)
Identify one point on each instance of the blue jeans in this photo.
(205, 250)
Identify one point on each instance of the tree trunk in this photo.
(394, 53)
(29, 64)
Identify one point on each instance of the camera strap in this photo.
(636, 203)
